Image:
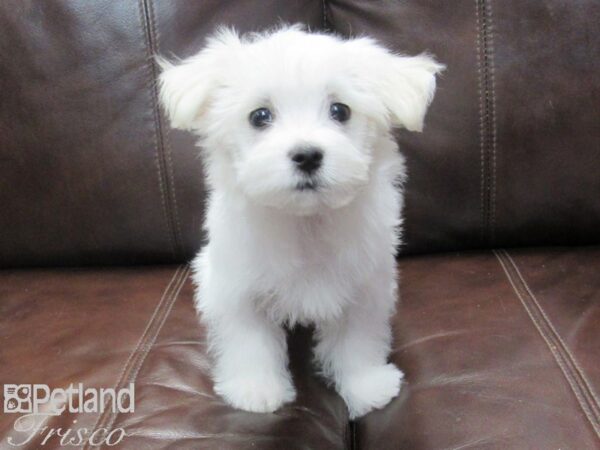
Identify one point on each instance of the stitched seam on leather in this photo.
(166, 135)
(543, 326)
(557, 344)
(487, 121)
(143, 338)
(101, 417)
(488, 110)
(478, 45)
(142, 13)
(324, 7)
(161, 160)
(481, 121)
(492, 111)
(563, 346)
(144, 354)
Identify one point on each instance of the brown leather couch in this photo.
(498, 325)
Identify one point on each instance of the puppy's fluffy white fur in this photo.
(278, 254)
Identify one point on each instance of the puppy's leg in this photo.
(353, 351)
(250, 352)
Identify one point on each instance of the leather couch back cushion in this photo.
(91, 173)
(89, 170)
(511, 149)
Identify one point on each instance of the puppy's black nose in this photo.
(307, 159)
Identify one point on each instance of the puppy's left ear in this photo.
(404, 84)
(185, 89)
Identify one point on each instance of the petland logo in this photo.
(37, 401)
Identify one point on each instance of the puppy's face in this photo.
(291, 119)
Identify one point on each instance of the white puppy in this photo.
(304, 212)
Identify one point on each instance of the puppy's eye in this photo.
(339, 112)
(260, 118)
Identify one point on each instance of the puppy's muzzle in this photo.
(307, 160)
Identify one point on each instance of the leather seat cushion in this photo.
(109, 327)
(500, 350)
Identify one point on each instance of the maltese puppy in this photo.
(304, 211)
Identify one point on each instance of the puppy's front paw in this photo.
(253, 393)
(370, 388)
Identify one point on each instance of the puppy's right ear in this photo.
(404, 84)
(185, 88)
